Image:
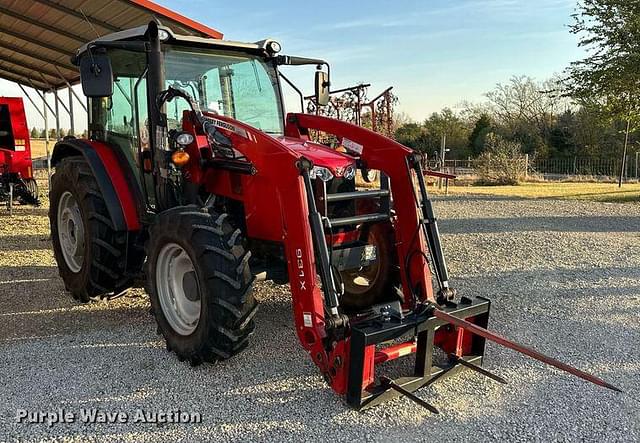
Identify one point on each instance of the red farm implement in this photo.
(16, 169)
(193, 169)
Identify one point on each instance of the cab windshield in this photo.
(234, 84)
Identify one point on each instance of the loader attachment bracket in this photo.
(428, 332)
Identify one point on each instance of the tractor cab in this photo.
(214, 78)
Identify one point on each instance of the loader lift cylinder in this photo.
(320, 244)
(430, 223)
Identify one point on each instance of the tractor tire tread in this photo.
(107, 267)
(225, 278)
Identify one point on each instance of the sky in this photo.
(435, 53)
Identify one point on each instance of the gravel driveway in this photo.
(563, 275)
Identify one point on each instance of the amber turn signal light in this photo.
(180, 158)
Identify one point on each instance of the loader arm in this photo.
(394, 160)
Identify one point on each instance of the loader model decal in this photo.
(301, 274)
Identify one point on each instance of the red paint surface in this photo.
(16, 161)
(166, 12)
(120, 183)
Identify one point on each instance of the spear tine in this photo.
(496, 338)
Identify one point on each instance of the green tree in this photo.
(447, 123)
(34, 132)
(479, 134)
(411, 135)
(610, 30)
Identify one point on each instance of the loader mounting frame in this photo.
(429, 332)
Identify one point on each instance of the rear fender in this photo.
(115, 179)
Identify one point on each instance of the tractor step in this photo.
(422, 331)
(344, 196)
(358, 219)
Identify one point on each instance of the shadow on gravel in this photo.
(21, 211)
(24, 242)
(53, 322)
(14, 279)
(558, 284)
(34, 303)
(543, 224)
(476, 198)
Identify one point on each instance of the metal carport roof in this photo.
(38, 37)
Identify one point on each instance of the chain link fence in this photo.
(554, 168)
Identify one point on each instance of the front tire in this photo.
(91, 254)
(200, 284)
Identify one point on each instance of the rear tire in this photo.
(91, 255)
(200, 284)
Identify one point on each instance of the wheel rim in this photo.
(360, 281)
(178, 290)
(71, 232)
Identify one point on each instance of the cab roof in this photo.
(139, 33)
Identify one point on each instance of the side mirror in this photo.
(96, 75)
(322, 88)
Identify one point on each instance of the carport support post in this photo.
(55, 94)
(10, 198)
(46, 139)
(72, 126)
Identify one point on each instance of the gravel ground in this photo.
(563, 275)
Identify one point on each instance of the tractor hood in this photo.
(340, 165)
(321, 156)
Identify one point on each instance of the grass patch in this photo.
(601, 192)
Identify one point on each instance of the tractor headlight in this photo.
(322, 173)
(184, 139)
(350, 172)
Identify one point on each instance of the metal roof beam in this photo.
(20, 79)
(36, 42)
(41, 93)
(35, 55)
(26, 65)
(12, 70)
(26, 72)
(39, 24)
(72, 92)
(78, 14)
(55, 94)
(31, 100)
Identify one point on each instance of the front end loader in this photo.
(195, 179)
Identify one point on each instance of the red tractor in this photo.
(194, 177)
(16, 168)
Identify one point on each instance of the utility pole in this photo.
(443, 154)
(624, 155)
